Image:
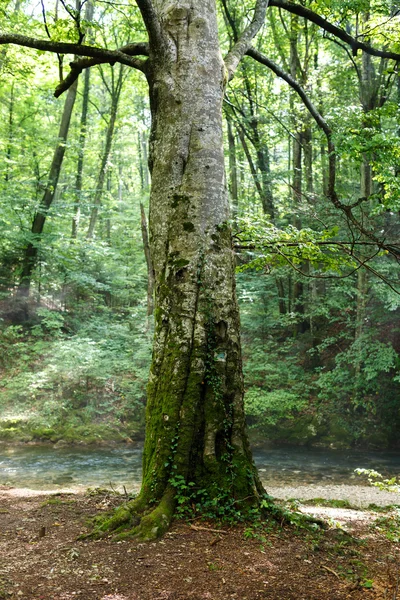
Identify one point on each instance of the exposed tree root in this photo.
(138, 519)
(135, 520)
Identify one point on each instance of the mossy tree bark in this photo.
(195, 428)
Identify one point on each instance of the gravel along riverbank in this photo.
(357, 496)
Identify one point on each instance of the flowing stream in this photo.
(50, 468)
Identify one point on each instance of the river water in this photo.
(49, 468)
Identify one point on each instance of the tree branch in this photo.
(241, 46)
(347, 209)
(124, 55)
(151, 22)
(354, 43)
(77, 66)
(264, 60)
(230, 20)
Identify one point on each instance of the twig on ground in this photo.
(199, 528)
(330, 570)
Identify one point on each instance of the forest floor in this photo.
(353, 559)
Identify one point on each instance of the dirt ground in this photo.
(192, 561)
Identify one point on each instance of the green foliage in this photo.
(87, 386)
(389, 526)
(74, 361)
(325, 502)
(273, 246)
(374, 359)
(193, 502)
(270, 407)
(377, 480)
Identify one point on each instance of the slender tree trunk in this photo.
(140, 160)
(106, 154)
(10, 132)
(146, 178)
(195, 426)
(81, 145)
(281, 295)
(261, 169)
(252, 166)
(297, 178)
(368, 95)
(149, 262)
(82, 138)
(233, 180)
(31, 251)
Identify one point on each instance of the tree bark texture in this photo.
(195, 424)
(195, 416)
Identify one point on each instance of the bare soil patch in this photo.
(192, 562)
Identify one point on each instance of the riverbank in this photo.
(356, 496)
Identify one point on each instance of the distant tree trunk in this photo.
(143, 161)
(115, 96)
(31, 251)
(140, 161)
(253, 169)
(233, 180)
(297, 174)
(149, 262)
(368, 95)
(81, 148)
(10, 131)
(261, 169)
(82, 138)
(281, 295)
(108, 219)
(146, 178)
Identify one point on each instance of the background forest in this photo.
(318, 286)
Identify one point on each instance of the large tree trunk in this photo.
(195, 424)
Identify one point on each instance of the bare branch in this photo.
(77, 66)
(124, 55)
(241, 46)
(230, 20)
(152, 23)
(361, 262)
(354, 43)
(315, 243)
(261, 58)
(347, 209)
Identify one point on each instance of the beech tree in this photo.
(195, 428)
